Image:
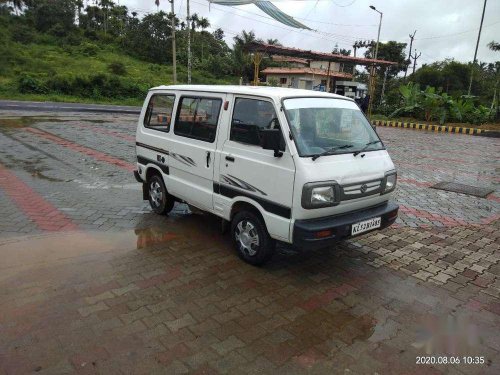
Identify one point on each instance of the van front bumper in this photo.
(322, 232)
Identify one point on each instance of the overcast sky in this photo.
(445, 28)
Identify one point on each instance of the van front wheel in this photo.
(161, 202)
(250, 237)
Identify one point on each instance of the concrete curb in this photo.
(437, 128)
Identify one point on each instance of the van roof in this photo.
(276, 92)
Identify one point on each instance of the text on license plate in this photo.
(364, 226)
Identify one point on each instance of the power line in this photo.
(344, 6)
(346, 38)
(456, 34)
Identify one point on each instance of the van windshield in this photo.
(333, 126)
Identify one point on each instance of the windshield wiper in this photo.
(366, 146)
(330, 150)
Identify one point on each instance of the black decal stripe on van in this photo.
(243, 184)
(180, 158)
(269, 206)
(152, 148)
(183, 159)
(145, 161)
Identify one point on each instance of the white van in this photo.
(278, 164)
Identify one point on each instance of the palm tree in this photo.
(204, 23)
(273, 42)
(157, 2)
(244, 38)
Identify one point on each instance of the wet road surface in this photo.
(91, 281)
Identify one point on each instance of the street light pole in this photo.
(372, 70)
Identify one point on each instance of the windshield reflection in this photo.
(322, 126)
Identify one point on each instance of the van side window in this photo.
(249, 116)
(159, 112)
(197, 118)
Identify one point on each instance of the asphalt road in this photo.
(66, 107)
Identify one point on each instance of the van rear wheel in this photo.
(161, 202)
(250, 238)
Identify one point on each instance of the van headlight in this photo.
(320, 194)
(390, 182)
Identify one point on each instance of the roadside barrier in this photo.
(437, 128)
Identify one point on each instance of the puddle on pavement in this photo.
(29, 251)
(32, 167)
(39, 172)
(25, 121)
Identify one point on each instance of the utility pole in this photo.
(188, 19)
(372, 70)
(475, 52)
(174, 54)
(415, 57)
(409, 55)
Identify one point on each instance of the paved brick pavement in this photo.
(92, 282)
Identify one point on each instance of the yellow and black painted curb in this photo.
(436, 128)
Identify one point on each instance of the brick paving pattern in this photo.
(92, 282)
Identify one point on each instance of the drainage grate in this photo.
(463, 189)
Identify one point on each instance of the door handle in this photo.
(230, 158)
(208, 159)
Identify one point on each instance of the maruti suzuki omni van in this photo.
(278, 164)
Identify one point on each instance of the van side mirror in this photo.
(270, 139)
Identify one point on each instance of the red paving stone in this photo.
(45, 215)
(447, 221)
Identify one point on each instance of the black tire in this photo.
(245, 228)
(161, 202)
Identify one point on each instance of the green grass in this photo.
(43, 61)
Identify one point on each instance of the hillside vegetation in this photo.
(78, 61)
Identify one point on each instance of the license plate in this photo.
(365, 226)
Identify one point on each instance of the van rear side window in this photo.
(197, 118)
(159, 112)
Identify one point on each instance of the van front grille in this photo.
(360, 189)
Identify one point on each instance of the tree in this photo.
(150, 38)
(494, 46)
(390, 51)
(49, 13)
(341, 51)
(203, 23)
(273, 42)
(218, 35)
(242, 61)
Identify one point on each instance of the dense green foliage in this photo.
(433, 105)
(444, 88)
(56, 50)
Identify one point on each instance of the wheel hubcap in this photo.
(155, 193)
(247, 237)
